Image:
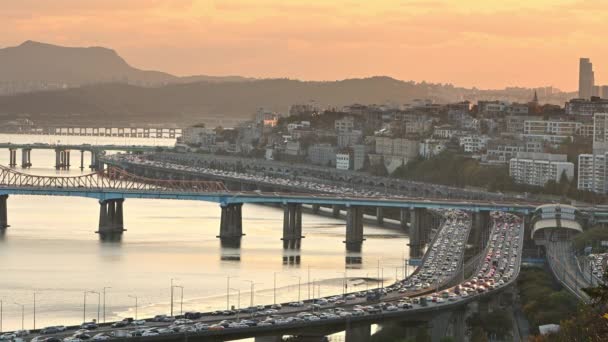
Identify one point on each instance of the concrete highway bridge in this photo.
(113, 186)
(358, 327)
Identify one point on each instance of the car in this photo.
(89, 325)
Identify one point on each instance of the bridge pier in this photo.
(62, 159)
(404, 216)
(231, 224)
(358, 333)
(81, 159)
(26, 157)
(12, 157)
(418, 222)
(380, 215)
(111, 223)
(335, 210)
(3, 212)
(292, 226)
(479, 228)
(316, 208)
(354, 228)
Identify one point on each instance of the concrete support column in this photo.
(354, 228)
(82, 160)
(335, 210)
(292, 226)
(12, 161)
(380, 215)
(67, 159)
(111, 222)
(231, 226)
(93, 165)
(404, 216)
(57, 159)
(3, 212)
(359, 333)
(316, 208)
(25, 158)
(416, 231)
(481, 223)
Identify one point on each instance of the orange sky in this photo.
(483, 43)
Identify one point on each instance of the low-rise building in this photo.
(429, 148)
(586, 107)
(473, 143)
(347, 139)
(539, 168)
(552, 127)
(343, 161)
(199, 135)
(322, 154)
(346, 124)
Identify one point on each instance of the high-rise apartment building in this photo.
(600, 133)
(586, 79)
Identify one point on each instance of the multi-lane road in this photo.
(414, 296)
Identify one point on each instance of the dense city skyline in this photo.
(493, 44)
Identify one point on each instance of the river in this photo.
(51, 249)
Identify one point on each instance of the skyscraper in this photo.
(585, 79)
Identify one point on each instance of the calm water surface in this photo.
(51, 249)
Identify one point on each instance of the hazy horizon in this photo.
(471, 43)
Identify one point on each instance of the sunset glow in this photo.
(482, 43)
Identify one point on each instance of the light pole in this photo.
(1, 308)
(172, 279)
(104, 302)
(308, 282)
(343, 283)
(299, 285)
(238, 307)
(228, 291)
(181, 302)
(84, 307)
(34, 310)
(98, 303)
(274, 291)
(22, 315)
(134, 297)
(252, 283)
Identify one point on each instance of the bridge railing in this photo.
(112, 178)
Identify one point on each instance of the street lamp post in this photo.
(22, 315)
(181, 302)
(238, 301)
(274, 291)
(98, 303)
(34, 310)
(104, 302)
(172, 296)
(299, 285)
(343, 283)
(1, 308)
(84, 308)
(135, 297)
(252, 283)
(228, 291)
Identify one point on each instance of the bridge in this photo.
(113, 185)
(62, 153)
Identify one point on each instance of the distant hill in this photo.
(194, 102)
(73, 66)
(36, 66)
(53, 84)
